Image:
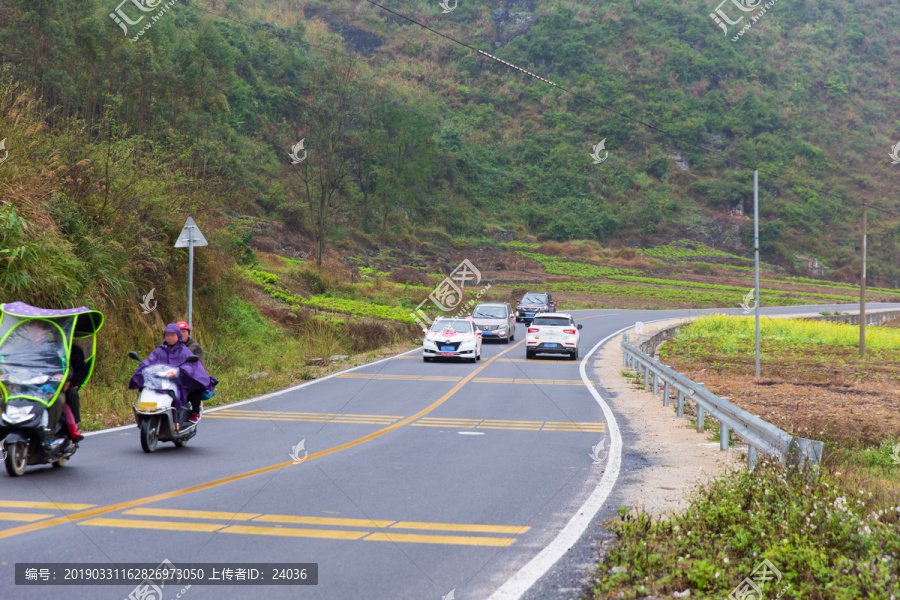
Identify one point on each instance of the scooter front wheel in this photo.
(149, 434)
(16, 458)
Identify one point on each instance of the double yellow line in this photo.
(94, 512)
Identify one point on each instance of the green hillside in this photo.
(211, 98)
(416, 150)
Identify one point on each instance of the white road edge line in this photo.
(270, 394)
(534, 569)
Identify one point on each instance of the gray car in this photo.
(496, 320)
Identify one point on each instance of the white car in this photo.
(553, 333)
(452, 338)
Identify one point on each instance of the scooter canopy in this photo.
(36, 346)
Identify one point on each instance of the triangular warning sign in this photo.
(189, 233)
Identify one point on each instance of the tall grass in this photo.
(794, 331)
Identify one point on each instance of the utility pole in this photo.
(862, 286)
(756, 256)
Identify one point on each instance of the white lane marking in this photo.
(470, 432)
(534, 569)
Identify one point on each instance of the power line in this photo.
(574, 94)
(706, 149)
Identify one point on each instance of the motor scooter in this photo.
(158, 412)
(35, 346)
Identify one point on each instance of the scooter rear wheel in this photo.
(16, 458)
(149, 434)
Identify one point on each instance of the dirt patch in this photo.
(821, 392)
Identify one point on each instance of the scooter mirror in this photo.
(192, 359)
(133, 355)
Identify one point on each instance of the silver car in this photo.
(496, 320)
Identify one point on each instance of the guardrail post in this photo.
(723, 436)
(680, 412)
(752, 457)
(666, 393)
(625, 353)
(655, 383)
(701, 414)
(646, 376)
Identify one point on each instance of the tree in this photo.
(407, 163)
(336, 107)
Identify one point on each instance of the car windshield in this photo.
(457, 326)
(490, 312)
(534, 299)
(553, 321)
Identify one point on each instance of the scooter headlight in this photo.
(17, 414)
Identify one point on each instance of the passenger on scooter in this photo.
(78, 373)
(195, 380)
(190, 342)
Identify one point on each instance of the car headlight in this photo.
(467, 343)
(18, 414)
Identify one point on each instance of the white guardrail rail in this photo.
(760, 435)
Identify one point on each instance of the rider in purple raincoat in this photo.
(194, 378)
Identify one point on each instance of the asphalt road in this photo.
(415, 480)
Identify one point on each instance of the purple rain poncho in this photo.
(193, 375)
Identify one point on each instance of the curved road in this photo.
(415, 480)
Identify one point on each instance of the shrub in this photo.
(409, 276)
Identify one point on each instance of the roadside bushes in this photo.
(826, 537)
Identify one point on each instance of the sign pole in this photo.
(189, 237)
(862, 286)
(756, 256)
(191, 281)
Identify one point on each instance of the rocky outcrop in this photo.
(515, 18)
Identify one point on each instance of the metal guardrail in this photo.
(760, 435)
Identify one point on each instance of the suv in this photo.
(495, 320)
(553, 333)
(533, 303)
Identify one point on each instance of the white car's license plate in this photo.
(446, 353)
(487, 333)
(550, 345)
(447, 348)
(529, 314)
